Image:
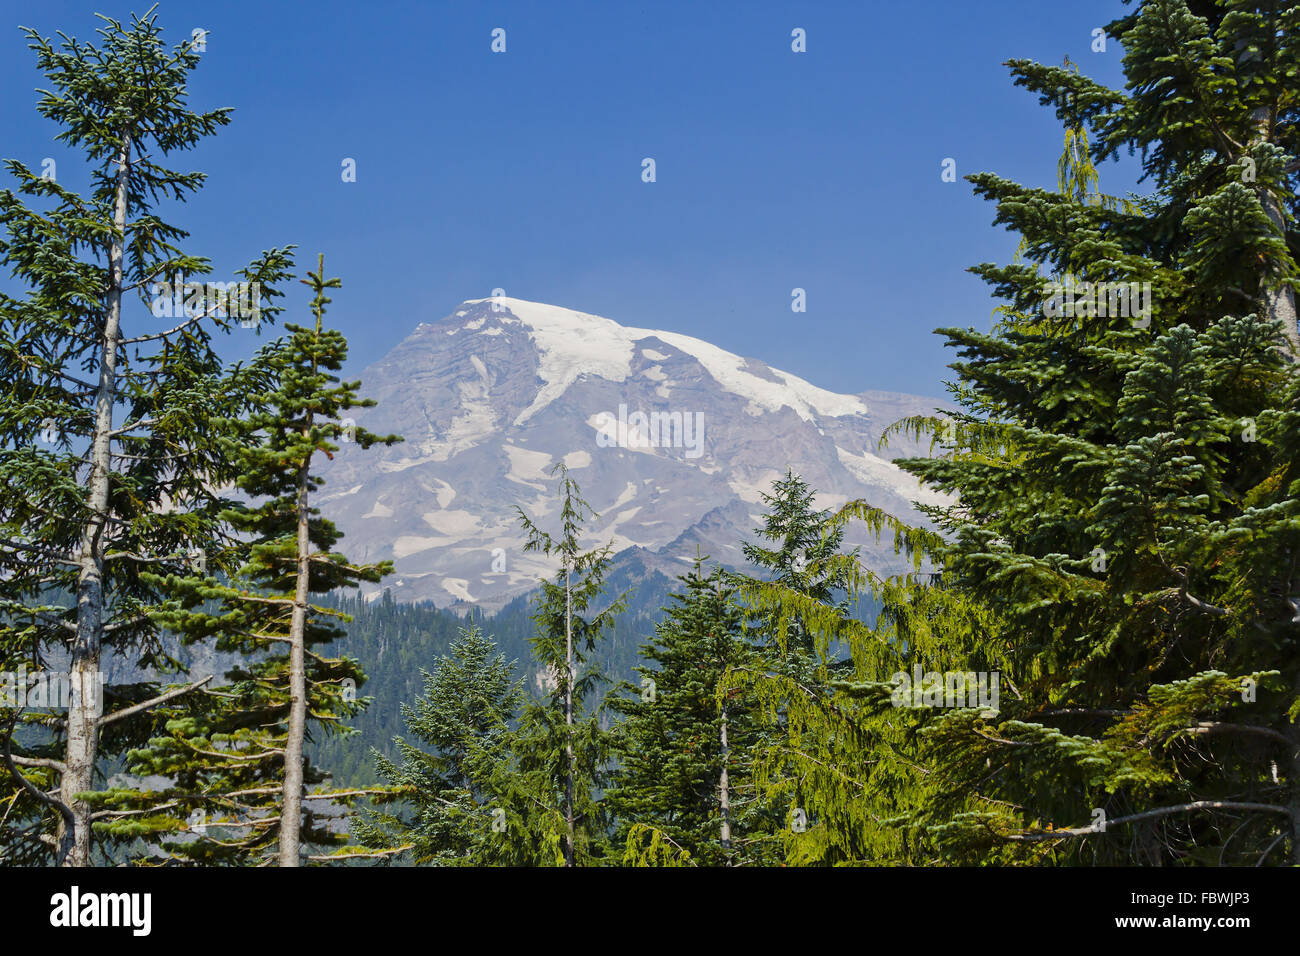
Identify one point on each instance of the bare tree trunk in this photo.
(568, 716)
(83, 709)
(291, 803)
(724, 790)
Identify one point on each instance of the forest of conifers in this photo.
(1092, 659)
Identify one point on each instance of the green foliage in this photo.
(675, 737)
(563, 748)
(1140, 547)
(112, 426)
(470, 701)
(224, 756)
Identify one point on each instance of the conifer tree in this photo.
(110, 452)
(1120, 475)
(833, 762)
(470, 700)
(242, 765)
(682, 752)
(1127, 482)
(799, 608)
(563, 749)
(801, 546)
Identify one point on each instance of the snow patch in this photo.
(454, 523)
(379, 510)
(571, 344)
(527, 467)
(871, 470)
(409, 544)
(628, 494)
(458, 588)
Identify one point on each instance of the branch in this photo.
(101, 814)
(41, 762)
(1031, 837)
(331, 857)
(37, 549)
(138, 423)
(192, 320)
(1218, 726)
(69, 820)
(1204, 606)
(146, 704)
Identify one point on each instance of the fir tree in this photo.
(682, 750)
(799, 610)
(1127, 484)
(110, 426)
(798, 550)
(242, 765)
(470, 701)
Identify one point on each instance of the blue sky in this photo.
(522, 170)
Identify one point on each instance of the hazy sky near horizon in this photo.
(522, 170)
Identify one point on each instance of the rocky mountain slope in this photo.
(671, 439)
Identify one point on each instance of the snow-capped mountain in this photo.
(672, 440)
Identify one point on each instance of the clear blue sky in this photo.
(522, 170)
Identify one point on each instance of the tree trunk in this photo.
(1293, 788)
(724, 791)
(568, 716)
(83, 709)
(291, 803)
(1279, 301)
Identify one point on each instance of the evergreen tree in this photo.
(563, 749)
(1127, 483)
(799, 609)
(803, 554)
(826, 766)
(242, 765)
(470, 701)
(682, 750)
(110, 427)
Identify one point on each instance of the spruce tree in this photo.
(470, 701)
(1127, 482)
(799, 609)
(242, 765)
(799, 550)
(828, 768)
(110, 422)
(682, 750)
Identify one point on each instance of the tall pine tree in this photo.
(110, 422)
(563, 748)
(241, 765)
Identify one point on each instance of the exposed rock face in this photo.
(671, 439)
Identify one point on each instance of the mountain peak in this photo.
(673, 440)
(573, 343)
